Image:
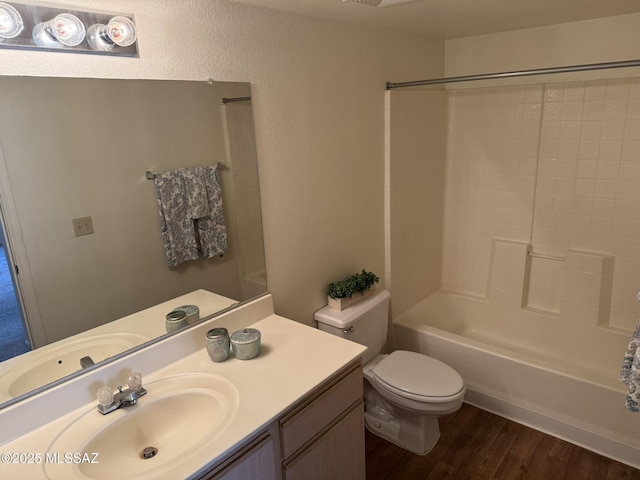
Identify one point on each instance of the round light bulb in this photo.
(121, 31)
(98, 38)
(67, 29)
(10, 21)
(43, 38)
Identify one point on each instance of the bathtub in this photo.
(556, 376)
(254, 284)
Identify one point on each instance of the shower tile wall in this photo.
(492, 154)
(557, 167)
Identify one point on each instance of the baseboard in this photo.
(597, 443)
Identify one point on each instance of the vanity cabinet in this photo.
(338, 454)
(254, 461)
(323, 437)
(319, 438)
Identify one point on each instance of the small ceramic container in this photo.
(216, 342)
(192, 312)
(245, 343)
(176, 320)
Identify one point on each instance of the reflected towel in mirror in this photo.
(191, 214)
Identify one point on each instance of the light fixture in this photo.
(119, 31)
(10, 21)
(27, 26)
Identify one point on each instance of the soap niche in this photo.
(577, 287)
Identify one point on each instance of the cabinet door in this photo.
(337, 455)
(257, 462)
(310, 418)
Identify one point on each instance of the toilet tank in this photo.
(365, 322)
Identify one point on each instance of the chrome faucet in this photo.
(109, 401)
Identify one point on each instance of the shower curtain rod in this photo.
(520, 73)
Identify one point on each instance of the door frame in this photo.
(17, 255)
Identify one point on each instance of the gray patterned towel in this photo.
(191, 214)
(630, 372)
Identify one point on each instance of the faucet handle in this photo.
(105, 396)
(135, 381)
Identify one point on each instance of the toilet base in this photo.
(417, 433)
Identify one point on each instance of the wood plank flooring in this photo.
(478, 445)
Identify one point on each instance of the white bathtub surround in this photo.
(576, 288)
(254, 284)
(587, 287)
(558, 376)
(554, 166)
(263, 385)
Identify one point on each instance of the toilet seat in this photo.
(418, 377)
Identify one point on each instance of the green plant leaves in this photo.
(357, 283)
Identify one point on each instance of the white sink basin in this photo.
(177, 419)
(49, 363)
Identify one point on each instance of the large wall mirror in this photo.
(72, 148)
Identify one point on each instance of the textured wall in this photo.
(416, 169)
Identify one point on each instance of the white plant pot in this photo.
(342, 303)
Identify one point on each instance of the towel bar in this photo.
(151, 176)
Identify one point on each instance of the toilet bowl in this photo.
(404, 392)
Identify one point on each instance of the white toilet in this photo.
(404, 392)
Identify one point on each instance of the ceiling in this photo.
(447, 19)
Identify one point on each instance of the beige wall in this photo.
(318, 91)
(592, 41)
(415, 172)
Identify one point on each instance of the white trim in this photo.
(18, 255)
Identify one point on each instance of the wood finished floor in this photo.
(477, 445)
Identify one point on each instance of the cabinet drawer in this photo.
(309, 419)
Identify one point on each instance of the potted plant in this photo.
(345, 293)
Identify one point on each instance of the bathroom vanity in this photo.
(321, 437)
(295, 411)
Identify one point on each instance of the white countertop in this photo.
(294, 360)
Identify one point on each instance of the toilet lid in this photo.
(418, 374)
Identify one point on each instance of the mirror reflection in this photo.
(86, 274)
